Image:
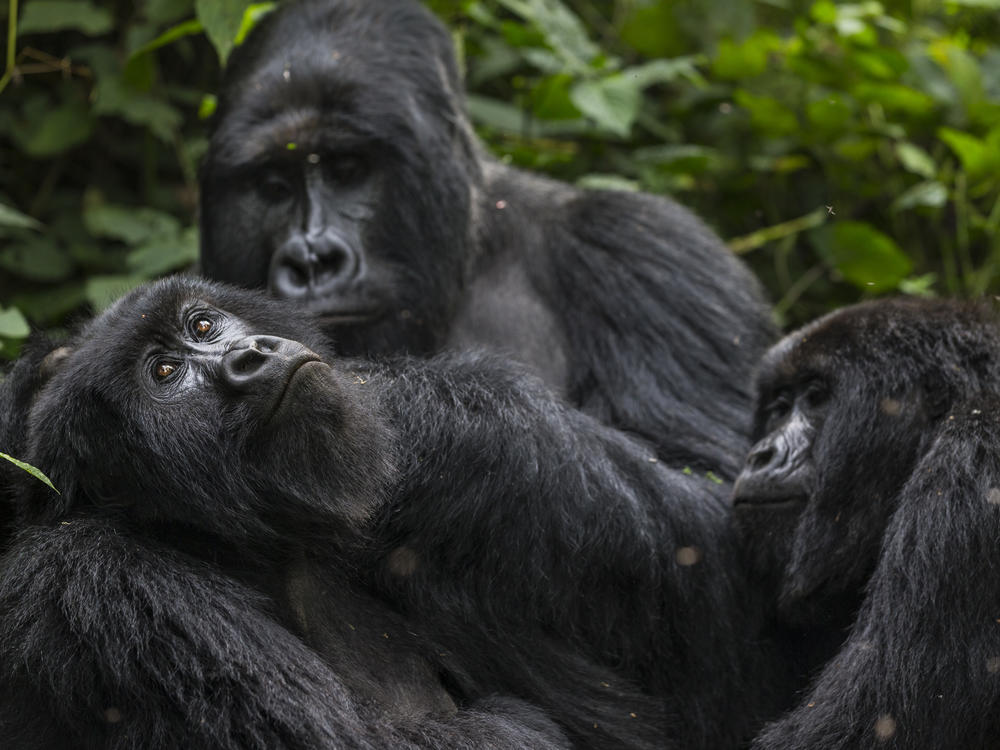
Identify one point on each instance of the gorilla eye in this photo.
(164, 370)
(274, 189)
(347, 168)
(202, 326)
(815, 395)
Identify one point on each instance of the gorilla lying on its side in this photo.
(343, 173)
(439, 531)
(873, 495)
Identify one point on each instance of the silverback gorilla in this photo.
(872, 501)
(257, 545)
(343, 172)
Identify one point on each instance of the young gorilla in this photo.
(872, 500)
(343, 172)
(439, 531)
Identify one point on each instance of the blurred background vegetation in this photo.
(846, 150)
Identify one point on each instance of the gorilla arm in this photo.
(921, 668)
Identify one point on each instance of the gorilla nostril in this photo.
(760, 458)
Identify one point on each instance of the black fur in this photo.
(343, 172)
(438, 531)
(887, 527)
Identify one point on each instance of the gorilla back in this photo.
(343, 172)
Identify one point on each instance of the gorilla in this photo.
(343, 172)
(870, 504)
(258, 544)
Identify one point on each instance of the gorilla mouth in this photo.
(289, 386)
(746, 502)
(349, 318)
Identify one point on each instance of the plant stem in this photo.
(11, 41)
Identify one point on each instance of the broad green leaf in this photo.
(222, 20)
(12, 324)
(652, 30)
(930, 193)
(768, 114)
(51, 305)
(36, 473)
(915, 159)
(159, 256)
(597, 181)
(613, 102)
(563, 31)
(36, 259)
(551, 100)
(43, 16)
(132, 226)
(11, 217)
(830, 114)
(979, 158)
(919, 286)
(896, 98)
(738, 60)
(864, 256)
(207, 107)
(664, 71)
(57, 131)
(101, 291)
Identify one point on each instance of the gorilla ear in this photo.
(53, 361)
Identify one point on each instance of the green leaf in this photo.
(132, 226)
(612, 102)
(58, 130)
(44, 16)
(222, 20)
(101, 291)
(207, 107)
(159, 256)
(181, 30)
(563, 31)
(595, 181)
(768, 114)
(12, 324)
(865, 256)
(979, 158)
(36, 259)
(37, 474)
(915, 159)
(930, 193)
(11, 217)
(251, 17)
(735, 60)
(896, 98)
(664, 71)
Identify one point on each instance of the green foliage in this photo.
(845, 149)
(36, 473)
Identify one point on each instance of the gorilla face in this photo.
(844, 409)
(341, 172)
(184, 406)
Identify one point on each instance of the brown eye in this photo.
(164, 370)
(203, 326)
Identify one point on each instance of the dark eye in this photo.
(274, 188)
(202, 327)
(815, 395)
(163, 370)
(347, 168)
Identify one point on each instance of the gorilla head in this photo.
(845, 406)
(346, 178)
(184, 403)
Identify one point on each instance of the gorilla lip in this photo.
(768, 503)
(293, 372)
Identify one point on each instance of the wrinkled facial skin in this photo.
(185, 404)
(834, 442)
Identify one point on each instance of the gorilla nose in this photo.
(311, 266)
(264, 363)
